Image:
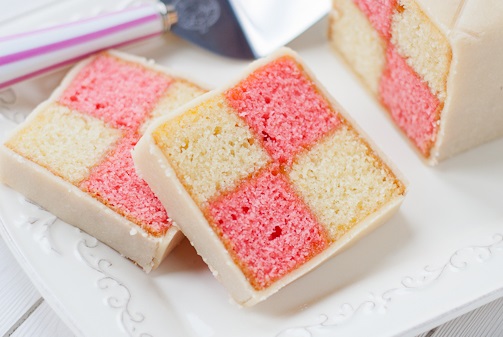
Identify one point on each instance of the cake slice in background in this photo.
(434, 65)
(267, 177)
(73, 153)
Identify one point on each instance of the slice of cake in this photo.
(434, 65)
(267, 177)
(73, 153)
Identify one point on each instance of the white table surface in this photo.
(24, 312)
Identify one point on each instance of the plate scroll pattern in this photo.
(119, 295)
(45, 230)
(459, 261)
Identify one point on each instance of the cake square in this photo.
(200, 142)
(283, 107)
(336, 187)
(411, 104)
(76, 148)
(424, 62)
(94, 91)
(362, 46)
(267, 228)
(378, 13)
(82, 140)
(115, 183)
(274, 222)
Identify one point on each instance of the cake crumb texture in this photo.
(425, 48)
(115, 182)
(267, 228)
(211, 147)
(379, 14)
(342, 181)
(361, 45)
(282, 107)
(118, 92)
(410, 102)
(65, 142)
(178, 93)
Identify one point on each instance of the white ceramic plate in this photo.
(439, 257)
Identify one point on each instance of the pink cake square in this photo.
(116, 183)
(283, 108)
(267, 227)
(379, 13)
(117, 92)
(410, 101)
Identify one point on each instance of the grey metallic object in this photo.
(245, 28)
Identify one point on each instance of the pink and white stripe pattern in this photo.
(26, 55)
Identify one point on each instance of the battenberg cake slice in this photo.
(434, 65)
(73, 153)
(267, 177)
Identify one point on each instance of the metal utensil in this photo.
(234, 28)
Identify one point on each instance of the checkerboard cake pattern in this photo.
(276, 171)
(402, 57)
(85, 133)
